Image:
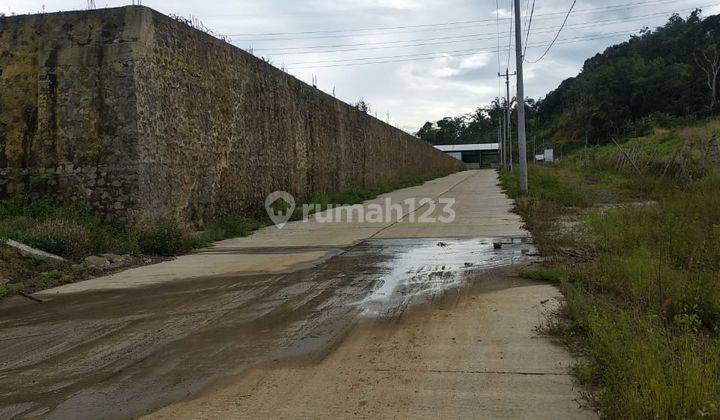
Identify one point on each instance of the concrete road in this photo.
(472, 355)
(381, 318)
(482, 210)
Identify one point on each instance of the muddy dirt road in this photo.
(314, 320)
(472, 354)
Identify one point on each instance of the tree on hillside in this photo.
(655, 77)
(445, 131)
(479, 126)
(450, 129)
(707, 56)
(427, 132)
(710, 64)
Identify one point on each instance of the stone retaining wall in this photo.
(147, 118)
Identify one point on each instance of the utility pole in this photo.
(507, 138)
(504, 139)
(522, 145)
(508, 121)
(501, 149)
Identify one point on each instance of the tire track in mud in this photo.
(123, 353)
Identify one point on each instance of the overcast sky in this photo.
(428, 58)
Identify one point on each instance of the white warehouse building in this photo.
(474, 155)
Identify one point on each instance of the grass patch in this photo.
(66, 230)
(552, 193)
(356, 195)
(645, 309)
(548, 274)
(549, 186)
(72, 232)
(640, 366)
(29, 274)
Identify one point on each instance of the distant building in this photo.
(548, 156)
(474, 155)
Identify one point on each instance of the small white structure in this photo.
(548, 156)
(539, 158)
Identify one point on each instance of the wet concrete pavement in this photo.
(472, 352)
(131, 343)
(482, 210)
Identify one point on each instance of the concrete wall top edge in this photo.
(142, 12)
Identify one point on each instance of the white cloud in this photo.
(374, 4)
(475, 61)
(444, 72)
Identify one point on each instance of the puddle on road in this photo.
(420, 269)
(86, 354)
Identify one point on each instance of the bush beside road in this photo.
(638, 259)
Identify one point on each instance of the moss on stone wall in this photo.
(18, 101)
(146, 118)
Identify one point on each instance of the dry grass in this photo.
(645, 309)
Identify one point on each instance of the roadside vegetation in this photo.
(74, 233)
(629, 221)
(350, 196)
(637, 256)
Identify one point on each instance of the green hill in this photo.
(657, 78)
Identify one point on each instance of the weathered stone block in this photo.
(151, 119)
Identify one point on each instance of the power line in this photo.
(524, 11)
(558, 34)
(434, 53)
(527, 34)
(510, 33)
(354, 32)
(454, 38)
(389, 59)
(454, 23)
(447, 39)
(386, 28)
(497, 30)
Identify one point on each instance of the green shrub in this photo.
(236, 226)
(645, 310)
(59, 236)
(227, 227)
(356, 195)
(642, 369)
(11, 289)
(549, 274)
(66, 230)
(163, 238)
(548, 185)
